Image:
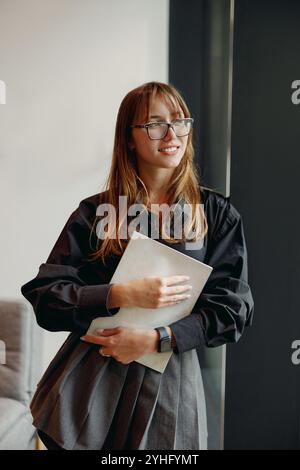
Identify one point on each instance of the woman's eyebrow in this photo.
(161, 117)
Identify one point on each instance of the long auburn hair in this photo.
(123, 179)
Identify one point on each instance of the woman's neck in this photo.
(156, 185)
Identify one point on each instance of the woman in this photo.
(88, 400)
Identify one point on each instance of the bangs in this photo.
(174, 103)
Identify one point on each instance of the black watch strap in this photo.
(165, 339)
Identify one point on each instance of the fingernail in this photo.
(82, 337)
(100, 330)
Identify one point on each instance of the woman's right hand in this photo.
(155, 291)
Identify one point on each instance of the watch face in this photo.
(165, 344)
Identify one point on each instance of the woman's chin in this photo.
(170, 161)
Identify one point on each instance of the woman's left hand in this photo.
(124, 344)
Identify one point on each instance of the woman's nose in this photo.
(170, 134)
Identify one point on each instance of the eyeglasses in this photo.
(159, 130)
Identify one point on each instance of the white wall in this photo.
(66, 64)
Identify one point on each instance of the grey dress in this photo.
(86, 401)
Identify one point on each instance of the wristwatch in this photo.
(164, 339)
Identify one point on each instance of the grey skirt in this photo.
(86, 401)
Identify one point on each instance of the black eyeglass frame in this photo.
(169, 124)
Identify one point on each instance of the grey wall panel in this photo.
(262, 384)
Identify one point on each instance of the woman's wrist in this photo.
(154, 339)
(116, 296)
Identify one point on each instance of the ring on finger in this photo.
(103, 354)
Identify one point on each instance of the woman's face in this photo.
(163, 153)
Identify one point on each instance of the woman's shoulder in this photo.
(88, 206)
(220, 212)
(211, 196)
(85, 212)
(216, 201)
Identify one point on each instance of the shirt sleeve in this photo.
(61, 294)
(225, 305)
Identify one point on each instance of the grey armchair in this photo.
(20, 369)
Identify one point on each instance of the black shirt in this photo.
(69, 290)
